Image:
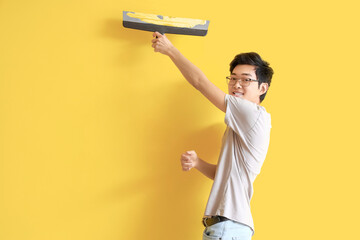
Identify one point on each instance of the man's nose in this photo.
(237, 84)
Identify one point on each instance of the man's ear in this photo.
(263, 88)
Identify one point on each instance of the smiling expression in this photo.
(253, 91)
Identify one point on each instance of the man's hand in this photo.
(162, 44)
(189, 160)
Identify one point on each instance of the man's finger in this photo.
(191, 152)
(185, 155)
(157, 34)
(187, 164)
(186, 168)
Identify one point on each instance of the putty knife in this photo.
(165, 24)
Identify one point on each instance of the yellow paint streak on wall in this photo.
(167, 21)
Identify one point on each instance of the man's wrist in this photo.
(172, 52)
(196, 162)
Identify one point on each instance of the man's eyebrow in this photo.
(244, 74)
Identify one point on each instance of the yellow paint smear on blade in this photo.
(167, 21)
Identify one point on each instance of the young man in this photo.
(245, 142)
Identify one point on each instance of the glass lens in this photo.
(232, 81)
(244, 83)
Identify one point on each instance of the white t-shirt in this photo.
(244, 147)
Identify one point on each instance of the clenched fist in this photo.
(189, 160)
(161, 44)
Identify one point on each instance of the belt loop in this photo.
(204, 221)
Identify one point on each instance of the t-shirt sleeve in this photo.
(241, 115)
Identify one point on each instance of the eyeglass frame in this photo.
(242, 82)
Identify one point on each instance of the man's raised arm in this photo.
(191, 73)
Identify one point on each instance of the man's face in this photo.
(253, 91)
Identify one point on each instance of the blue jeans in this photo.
(228, 230)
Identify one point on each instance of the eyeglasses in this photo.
(244, 82)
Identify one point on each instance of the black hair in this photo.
(263, 72)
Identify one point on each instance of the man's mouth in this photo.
(238, 94)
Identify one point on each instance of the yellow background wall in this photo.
(92, 121)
